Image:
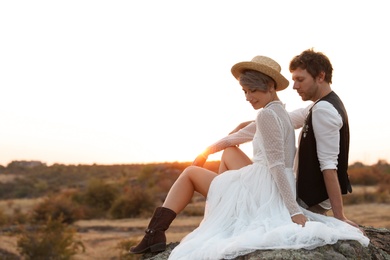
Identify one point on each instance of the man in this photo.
(322, 156)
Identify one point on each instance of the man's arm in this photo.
(327, 124)
(297, 117)
(335, 197)
(334, 193)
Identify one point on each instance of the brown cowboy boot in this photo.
(154, 239)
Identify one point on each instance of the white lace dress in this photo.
(251, 208)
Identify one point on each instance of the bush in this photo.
(55, 207)
(100, 195)
(133, 203)
(52, 241)
(384, 185)
(364, 176)
(18, 217)
(377, 196)
(4, 220)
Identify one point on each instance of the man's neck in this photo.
(324, 90)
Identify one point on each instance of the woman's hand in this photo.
(299, 219)
(200, 160)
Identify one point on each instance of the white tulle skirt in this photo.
(245, 212)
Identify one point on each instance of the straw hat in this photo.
(264, 65)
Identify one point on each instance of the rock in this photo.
(378, 249)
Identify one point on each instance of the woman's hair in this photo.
(314, 63)
(253, 79)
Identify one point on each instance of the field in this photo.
(80, 190)
(101, 237)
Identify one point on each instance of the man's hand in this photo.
(351, 223)
(354, 224)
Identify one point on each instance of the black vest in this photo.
(311, 187)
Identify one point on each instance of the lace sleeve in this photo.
(242, 136)
(273, 135)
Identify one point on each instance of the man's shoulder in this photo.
(323, 104)
(325, 110)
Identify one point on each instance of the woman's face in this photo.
(258, 98)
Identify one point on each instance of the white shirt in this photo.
(327, 123)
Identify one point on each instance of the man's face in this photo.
(305, 84)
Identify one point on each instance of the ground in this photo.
(101, 237)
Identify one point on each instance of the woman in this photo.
(252, 204)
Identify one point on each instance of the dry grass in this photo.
(101, 245)
(24, 205)
(364, 189)
(102, 237)
(373, 214)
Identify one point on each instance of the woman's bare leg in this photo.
(232, 159)
(192, 179)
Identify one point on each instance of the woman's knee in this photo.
(228, 152)
(231, 149)
(189, 171)
(233, 152)
(233, 158)
(199, 177)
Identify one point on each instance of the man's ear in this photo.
(321, 76)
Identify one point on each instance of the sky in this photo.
(122, 82)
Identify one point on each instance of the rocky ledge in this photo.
(378, 249)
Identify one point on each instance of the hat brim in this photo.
(281, 81)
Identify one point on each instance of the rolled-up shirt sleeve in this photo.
(327, 123)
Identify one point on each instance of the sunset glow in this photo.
(107, 82)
